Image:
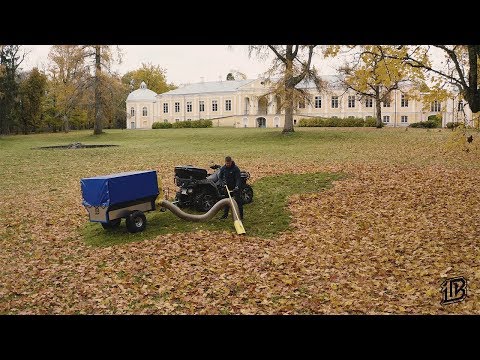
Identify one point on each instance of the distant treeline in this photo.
(70, 90)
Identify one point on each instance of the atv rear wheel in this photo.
(247, 194)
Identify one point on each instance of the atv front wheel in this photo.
(205, 201)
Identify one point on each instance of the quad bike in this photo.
(201, 190)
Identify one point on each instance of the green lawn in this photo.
(35, 175)
(266, 216)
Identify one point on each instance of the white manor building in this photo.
(246, 103)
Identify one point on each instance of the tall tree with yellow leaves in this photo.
(68, 79)
(375, 71)
(460, 67)
(153, 75)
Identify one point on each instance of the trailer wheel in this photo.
(112, 224)
(136, 221)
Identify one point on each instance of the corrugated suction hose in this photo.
(203, 217)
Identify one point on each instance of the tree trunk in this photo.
(288, 126)
(378, 107)
(97, 129)
(66, 125)
(476, 120)
(289, 88)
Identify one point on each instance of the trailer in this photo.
(109, 198)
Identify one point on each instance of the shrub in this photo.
(161, 125)
(452, 125)
(371, 122)
(202, 123)
(429, 124)
(335, 122)
(437, 119)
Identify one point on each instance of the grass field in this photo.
(393, 211)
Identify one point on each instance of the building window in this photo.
(335, 102)
(460, 105)
(214, 105)
(351, 117)
(165, 108)
(404, 101)
(132, 111)
(177, 107)
(201, 105)
(245, 122)
(318, 102)
(368, 117)
(189, 106)
(435, 106)
(404, 119)
(301, 104)
(334, 117)
(177, 120)
(294, 121)
(351, 101)
(386, 103)
(165, 121)
(228, 105)
(386, 118)
(368, 102)
(189, 119)
(145, 111)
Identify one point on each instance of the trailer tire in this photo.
(112, 224)
(136, 221)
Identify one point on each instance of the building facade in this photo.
(250, 103)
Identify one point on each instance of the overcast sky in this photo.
(184, 63)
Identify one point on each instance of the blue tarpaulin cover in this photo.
(117, 188)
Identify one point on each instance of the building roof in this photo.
(142, 94)
(332, 80)
(209, 87)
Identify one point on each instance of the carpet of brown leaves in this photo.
(378, 242)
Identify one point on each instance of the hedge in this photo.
(183, 124)
(429, 124)
(337, 122)
(452, 125)
(161, 125)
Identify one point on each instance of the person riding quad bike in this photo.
(201, 190)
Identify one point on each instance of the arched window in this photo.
(145, 111)
(132, 111)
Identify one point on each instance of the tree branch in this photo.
(282, 58)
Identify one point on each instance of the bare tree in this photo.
(291, 65)
(459, 68)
